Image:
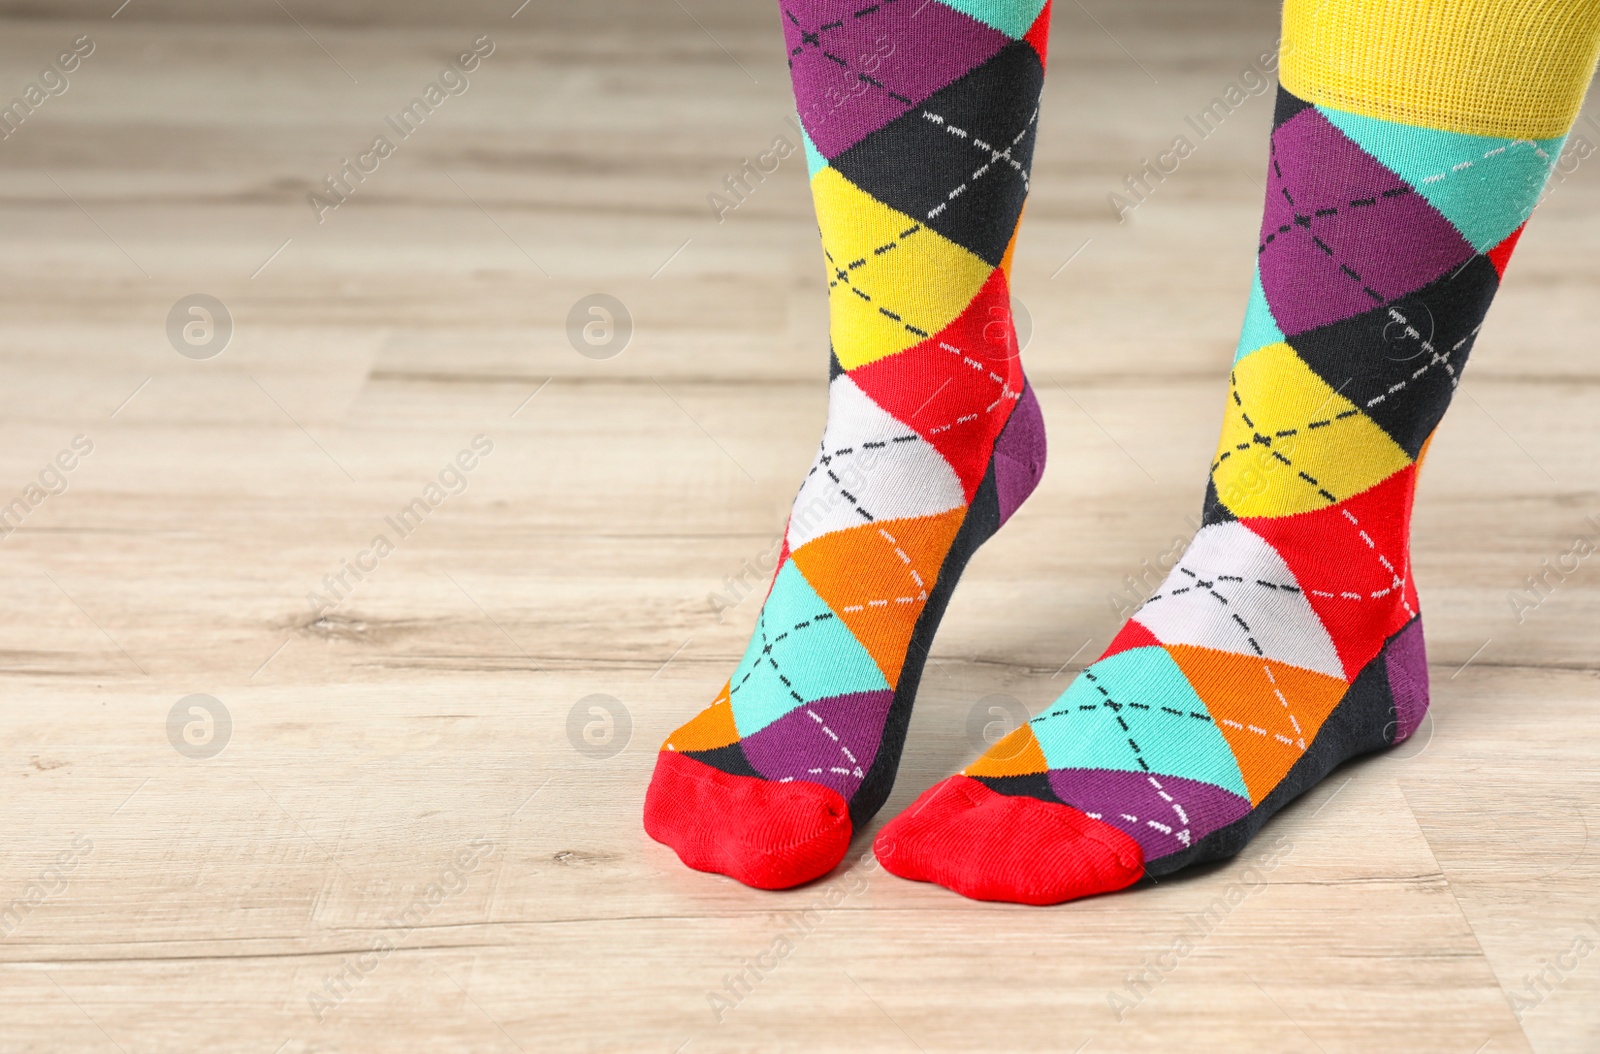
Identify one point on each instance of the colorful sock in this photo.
(919, 123)
(1287, 640)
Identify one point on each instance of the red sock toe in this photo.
(991, 846)
(764, 833)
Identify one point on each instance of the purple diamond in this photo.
(857, 67)
(1342, 234)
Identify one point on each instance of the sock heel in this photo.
(1019, 454)
(1383, 706)
(1405, 660)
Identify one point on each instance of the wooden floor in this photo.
(422, 828)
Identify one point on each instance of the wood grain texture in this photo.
(275, 897)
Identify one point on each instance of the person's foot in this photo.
(1287, 640)
(919, 172)
(801, 746)
(1276, 649)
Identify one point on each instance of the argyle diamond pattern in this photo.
(1289, 636)
(919, 119)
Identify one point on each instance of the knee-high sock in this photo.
(919, 119)
(1411, 142)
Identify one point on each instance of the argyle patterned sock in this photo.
(1287, 640)
(919, 119)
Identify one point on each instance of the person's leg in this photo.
(1410, 143)
(919, 118)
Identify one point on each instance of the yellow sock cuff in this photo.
(1515, 68)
